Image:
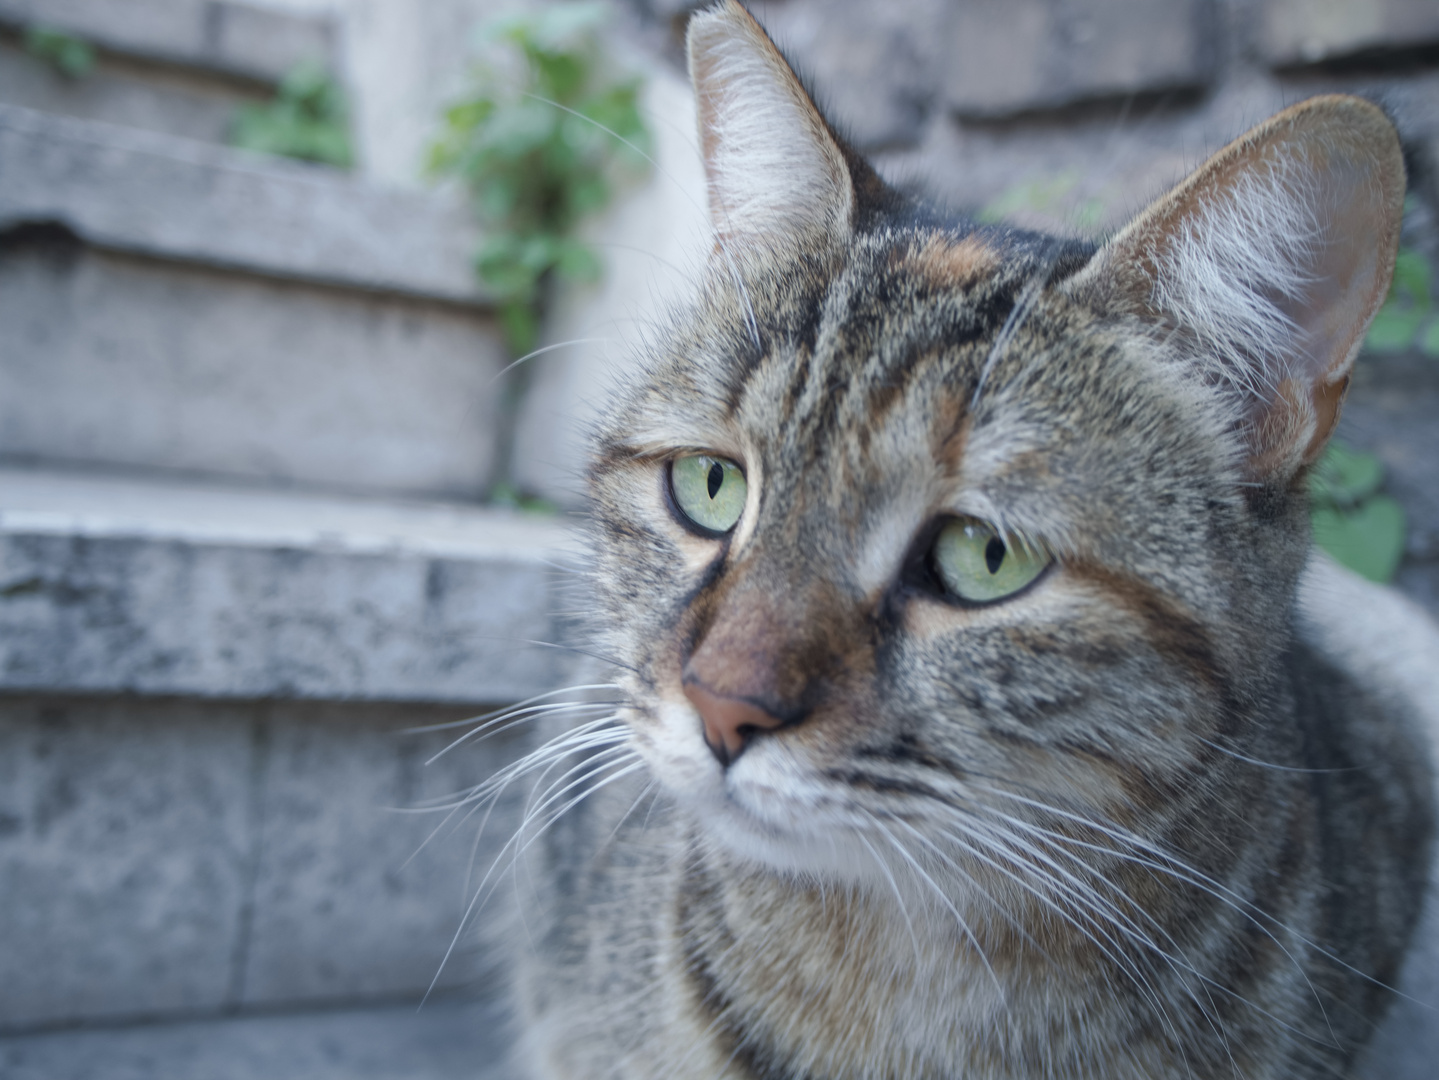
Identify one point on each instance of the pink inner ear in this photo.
(773, 168)
(1344, 291)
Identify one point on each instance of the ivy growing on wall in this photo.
(1353, 521)
(306, 119)
(1356, 524)
(1408, 320)
(546, 130)
(71, 56)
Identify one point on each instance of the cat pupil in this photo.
(993, 553)
(715, 478)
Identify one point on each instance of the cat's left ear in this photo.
(774, 167)
(1270, 261)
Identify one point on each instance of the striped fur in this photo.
(1129, 823)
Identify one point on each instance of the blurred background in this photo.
(272, 494)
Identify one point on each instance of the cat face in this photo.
(914, 529)
(835, 604)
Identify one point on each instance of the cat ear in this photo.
(1271, 260)
(773, 164)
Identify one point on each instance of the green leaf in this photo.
(1393, 329)
(1368, 539)
(517, 130)
(528, 140)
(1413, 277)
(560, 74)
(71, 56)
(306, 120)
(506, 494)
(469, 114)
(1397, 324)
(521, 326)
(501, 267)
(1345, 477)
(578, 263)
(1043, 195)
(497, 195)
(588, 194)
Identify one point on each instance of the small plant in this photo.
(1408, 319)
(1359, 527)
(306, 120)
(71, 56)
(540, 140)
(1051, 196)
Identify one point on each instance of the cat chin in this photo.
(833, 857)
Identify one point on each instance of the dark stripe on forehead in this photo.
(798, 381)
(748, 357)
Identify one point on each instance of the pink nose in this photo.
(728, 722)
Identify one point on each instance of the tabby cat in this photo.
(984, 712)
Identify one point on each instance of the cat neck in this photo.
(971, 983)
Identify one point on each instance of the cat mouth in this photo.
(770, 807)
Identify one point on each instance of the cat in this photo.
(983, 711)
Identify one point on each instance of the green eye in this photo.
(709, 491)
(976, 564)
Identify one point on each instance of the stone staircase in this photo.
(248, 412)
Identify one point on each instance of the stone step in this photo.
(207, 704)
(176, 306)
(121, 90)
(118, 585)
(224, 37)
(181, 67)
(165, 197)
(445, 1040)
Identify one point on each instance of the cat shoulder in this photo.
(1381, 639)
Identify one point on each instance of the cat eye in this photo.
(976, 564)
(709, 491)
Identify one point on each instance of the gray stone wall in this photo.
(172, 857)
(248, 411)
(261, 380)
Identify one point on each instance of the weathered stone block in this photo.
(876, 82)
(1297, 32)
(446, 1040)
(124, 857)
(157, 195)
(346, 903)
(1009, 56)
(117, 91)
(137, 362)
(129, 587)
(264, 42)
(178, 857)
(221, 35)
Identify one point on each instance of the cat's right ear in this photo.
(774, 167)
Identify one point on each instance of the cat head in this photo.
(909, 521)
